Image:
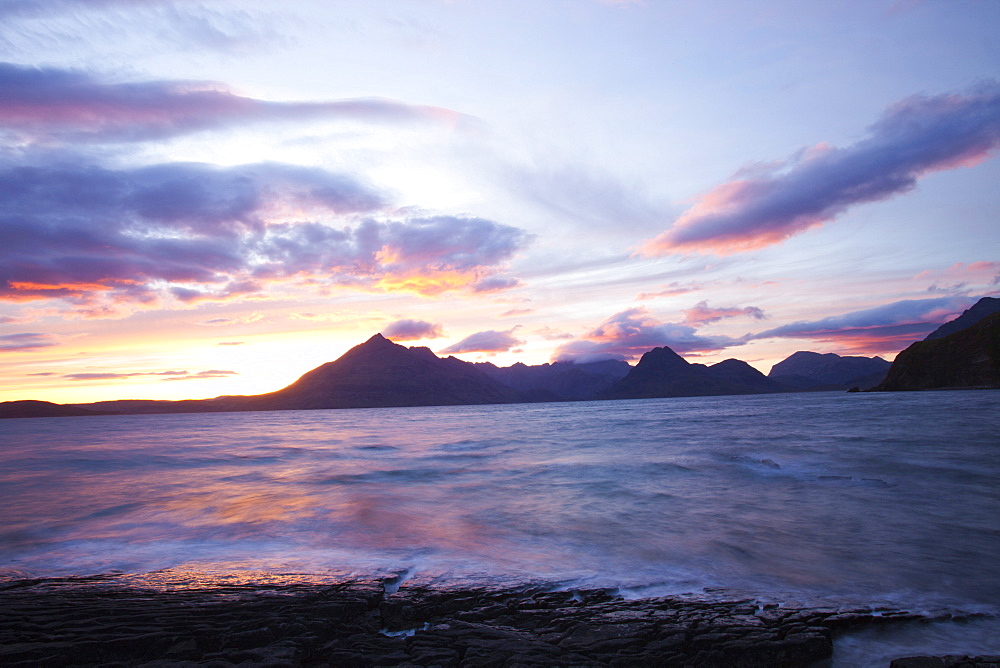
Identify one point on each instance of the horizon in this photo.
(231, 194)
(440, 356)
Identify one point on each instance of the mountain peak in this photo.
(986, 306)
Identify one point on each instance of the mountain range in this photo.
(380, 373)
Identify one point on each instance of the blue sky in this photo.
(232, 193)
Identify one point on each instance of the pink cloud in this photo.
(702, 313)
(671, 290)
(632, 332)
(412, 330)
(490, 341)
(917, 136)
(962, 278)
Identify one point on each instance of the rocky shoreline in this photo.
(95, 621)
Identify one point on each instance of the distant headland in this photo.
(964, 353)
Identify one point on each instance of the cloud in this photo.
(917, 136)
(702, 313)
(13, 8)
(495, 284)
(490, 341)
(962, 278)
(125, 28)
(673, 289)
(45, 104)
(514, 312)
(440, 253)
(550, 334)
(885, 328)
(99, 376)
(192, 231)
(632, 332)
(169, 375)
(211, 373)
(231, 343)
(412, 330)
(25, 341)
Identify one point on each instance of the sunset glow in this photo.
(230, 194)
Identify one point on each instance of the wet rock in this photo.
(93, 622)
(947, 661)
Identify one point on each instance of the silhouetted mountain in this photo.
(805, 370)
(663, 373)
(560, 380)
(967, 358)
(739, 372)
(382, 373)
(984, 307)
(29, 408)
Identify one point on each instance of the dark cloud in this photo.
(630, 333)
(490, 341)
(412, 330)
(25, 341)
(917, 136)
(193, 231)
(45, 104)
(885, 328)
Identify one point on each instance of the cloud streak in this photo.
(44, 104)
(885, 328)
(25, 341)
(168, 375)
(915, 137)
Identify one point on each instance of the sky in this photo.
(230, 193)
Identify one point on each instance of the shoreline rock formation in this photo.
(95, 621)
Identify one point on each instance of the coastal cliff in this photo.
(968, 358)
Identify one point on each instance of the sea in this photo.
(880, 501)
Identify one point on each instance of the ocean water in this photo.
(889, 499)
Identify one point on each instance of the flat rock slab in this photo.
(94, 622)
